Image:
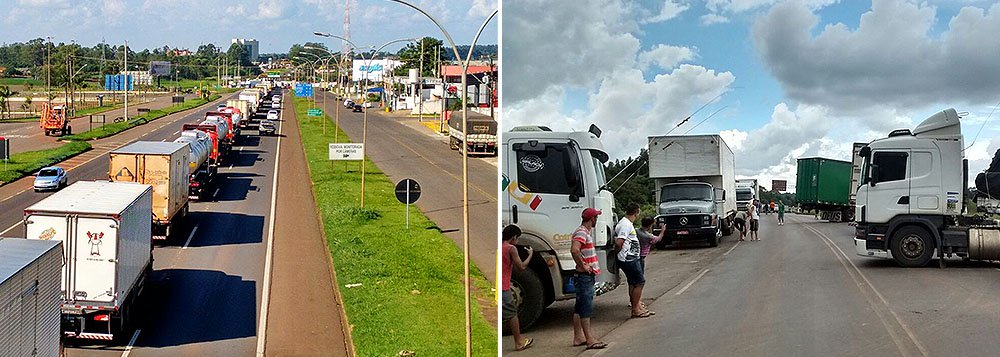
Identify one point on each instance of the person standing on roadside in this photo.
(740, 222)
(647, 239)
(627, 244)
(511, 261)
(781, 213)
(584, 279)
(754, 214)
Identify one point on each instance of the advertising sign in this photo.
(347, 151)
(779, 185)
(373, 70)
(159, 68)
(117, 82)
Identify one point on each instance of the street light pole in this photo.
(465, 161)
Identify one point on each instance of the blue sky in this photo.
(277, 24)
(802, 78)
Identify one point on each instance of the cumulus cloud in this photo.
(271, 9)
(890, 60)
(665, 56)
(113, 8)
(670, 10)
(711, 19)
(482, 8)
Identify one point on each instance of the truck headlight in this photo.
(708, 220)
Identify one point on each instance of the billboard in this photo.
(159, 68)
(373, 70)
(779, 185)
(117, 82)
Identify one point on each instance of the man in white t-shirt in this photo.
(627, 242)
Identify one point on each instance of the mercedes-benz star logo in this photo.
(684, 221)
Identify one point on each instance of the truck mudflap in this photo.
(861, 248)
(609, 278)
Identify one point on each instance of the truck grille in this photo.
(690, 220)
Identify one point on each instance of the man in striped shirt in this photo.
(587, 270)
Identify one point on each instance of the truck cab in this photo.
(548, 179)
(691, 209)
(746, 192)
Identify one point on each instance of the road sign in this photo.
(315, 112)
(407, 191)
(779, 185)
(303, 90)
(118, 82)
(347, 151)
(4, 148)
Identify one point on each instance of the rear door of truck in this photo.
(95, 259)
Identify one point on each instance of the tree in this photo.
(633, 185)
(238, 54)
(410, 55)
(5, 93)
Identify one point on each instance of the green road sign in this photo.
(315, 112)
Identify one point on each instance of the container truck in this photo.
(824, 185)
(236, 117)
(243, 108)
(548, 179)
(914, 185)
(30, 272)
(165, 166)
(105, 230)
(253, 101)
(695, 183)
(856, 161)
(202, 164)
(747, 190)
(482, 138)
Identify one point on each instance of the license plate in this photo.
(682, 232)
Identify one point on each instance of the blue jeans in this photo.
(584, 285)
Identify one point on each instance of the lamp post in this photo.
(465, 159)
(326, 64)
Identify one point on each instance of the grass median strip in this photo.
(27, 163)
(402, 289)
(115, 128)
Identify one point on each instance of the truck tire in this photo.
(713, 240)
(529, 297)
(727, 228)
(452, 143)
(912, 246)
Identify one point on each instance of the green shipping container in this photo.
(823, 182)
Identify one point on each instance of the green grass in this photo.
(411, 297)
(21, 81)
(27, 163)
(112, 128)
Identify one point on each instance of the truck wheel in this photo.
(529, 297)
(849, 215)
(727, 228)
(912, 246)
(713, 240)
(452, 143)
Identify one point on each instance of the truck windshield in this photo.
(686, 192)
(599, 168)
(744, 194)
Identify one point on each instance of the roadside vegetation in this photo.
(402, 289)
(27, 163)
(113, 128)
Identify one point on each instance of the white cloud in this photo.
(271, 9)
(236, 10)
(482, 8)
(670, 10)
(734, 138)
(113, 8)
(711, 19)
(665, 56)
(43, 3)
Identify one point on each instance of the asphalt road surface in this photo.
(409, 151)
(203, 298)
(799, 291)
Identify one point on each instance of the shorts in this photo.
(508, 308)
(633, 272)
(753, 225)
(642, 265)
(584, 285)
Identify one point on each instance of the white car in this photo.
(50, 178)
(348, 104)
(276, 105)
(272, 115)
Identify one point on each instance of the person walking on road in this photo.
(781, 213)
(627, 244)
(512, 261)
(740, 222)
(647, 239)
(587, 270)
(754, 222)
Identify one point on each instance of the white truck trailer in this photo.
(914, 185)
(695, 182)
(747, 190)
(548, 179)
(105, 229)
(30, 272)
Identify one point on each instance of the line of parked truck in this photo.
(105, 232)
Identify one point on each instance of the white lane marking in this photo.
(128, 348)
(830, 243)
(19, 223)
(216, 194)
(175, 133)
(691, 282)
(266, 290)
(186, 244)
(731, 249)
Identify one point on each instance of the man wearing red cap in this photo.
(587, 270)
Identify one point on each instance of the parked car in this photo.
(221, 106)
(267, 127)
(358, 108)
(348, 104)
(276, 105)
(272, 115)
(50, 178)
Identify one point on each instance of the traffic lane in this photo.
(666, 270)
(166, 128)
(403, 152)
(949, 311)
(787, 294)
(204, 294)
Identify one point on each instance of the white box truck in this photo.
(695, 182)
(747, 190)
(105, 228)
(165, 166)
(30, 272)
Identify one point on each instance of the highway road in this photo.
(204, 296)
(402, 148)
(799, 291)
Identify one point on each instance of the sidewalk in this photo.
(305, 316)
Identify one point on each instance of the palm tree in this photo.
(26, 106)
(5, 93)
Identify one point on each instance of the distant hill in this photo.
(478, 53)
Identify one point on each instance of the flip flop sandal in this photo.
(645, 314)
(597, 346)
(527, 344)
(584, 343)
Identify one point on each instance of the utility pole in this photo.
(127, 81)
(48, 71)
(437, 73)
(420, 83)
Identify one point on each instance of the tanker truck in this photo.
(910, 204)
(201, 164)
(224, 127)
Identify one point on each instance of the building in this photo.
(181, 52)
(251, 46)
